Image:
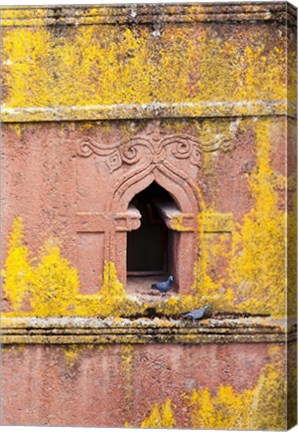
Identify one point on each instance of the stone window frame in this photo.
(182, 222)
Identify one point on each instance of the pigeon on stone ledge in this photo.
(163, 287)
(196, 314)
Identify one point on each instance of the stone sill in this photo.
(77, 330)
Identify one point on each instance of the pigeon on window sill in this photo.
(163, 287)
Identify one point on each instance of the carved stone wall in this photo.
(99, 103)
(173, 160)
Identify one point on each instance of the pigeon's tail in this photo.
(186, 315)
(153, 286)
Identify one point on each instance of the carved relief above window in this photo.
(157, 143)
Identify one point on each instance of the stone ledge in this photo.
(76, 330)
(148, 13)
(148, 111)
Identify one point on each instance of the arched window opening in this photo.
(150, 251)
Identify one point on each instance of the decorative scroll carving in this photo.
(155, 147)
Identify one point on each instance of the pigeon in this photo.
(196, 314)
(163, 287)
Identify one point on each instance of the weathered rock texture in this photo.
(190, 111)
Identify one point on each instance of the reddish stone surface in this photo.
(96, 388)
(75, 182)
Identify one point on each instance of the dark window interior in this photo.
(147, 247)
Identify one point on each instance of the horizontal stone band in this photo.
(71, 330)
(154, 110)
(142, 14)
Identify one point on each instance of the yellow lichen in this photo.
(70, 356)
(111, 286)
(259, 408)
(53, 284)
(16, 127)
(262, 407)
(292, 259)
(126, 355)
(204, 284)
(237, 66)
(71, 353)
(111, 300)
(258, 264)
(178, 304)
(177, 223)
(292, 383)
(17, 268)
(160, 416)
(154, 419)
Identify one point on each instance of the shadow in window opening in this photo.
(150, 254)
